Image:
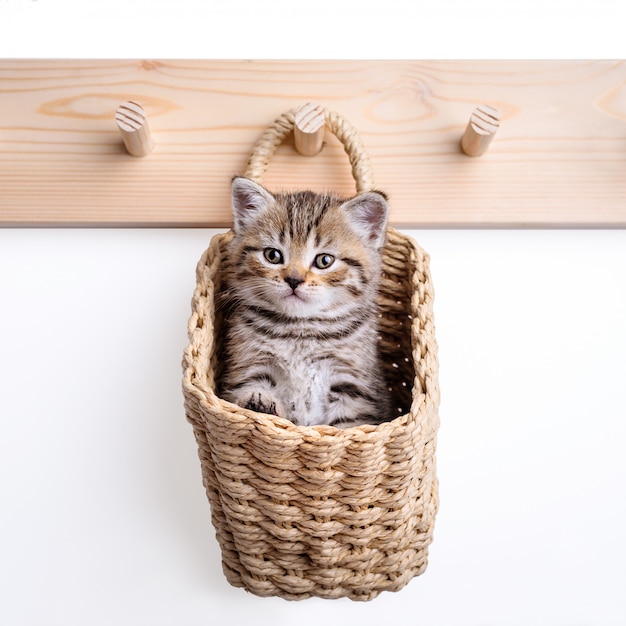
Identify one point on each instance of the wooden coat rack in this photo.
(552, 135)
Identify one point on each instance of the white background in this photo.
(103, 519)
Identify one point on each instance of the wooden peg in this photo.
(132, 122)
(481, 129)
(309, 127)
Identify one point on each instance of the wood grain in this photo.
(559, 158)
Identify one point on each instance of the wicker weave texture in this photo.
(319, 511)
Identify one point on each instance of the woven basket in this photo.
(319, 511)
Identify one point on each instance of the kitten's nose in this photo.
(293, 282)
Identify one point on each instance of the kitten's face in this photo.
(305, 254)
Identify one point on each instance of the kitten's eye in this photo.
(324, 261)
(273, 256)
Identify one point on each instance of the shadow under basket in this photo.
(319, 511)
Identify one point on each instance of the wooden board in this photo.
(558, 158)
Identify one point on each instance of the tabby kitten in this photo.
(302, 339)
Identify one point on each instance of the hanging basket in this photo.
(303, 511)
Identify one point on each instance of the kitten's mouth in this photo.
(295, 298)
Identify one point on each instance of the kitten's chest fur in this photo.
(308, 378)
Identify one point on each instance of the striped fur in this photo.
(299, 302)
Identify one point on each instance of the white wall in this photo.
(103, 517)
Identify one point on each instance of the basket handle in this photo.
(340, 127)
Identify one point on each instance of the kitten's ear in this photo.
(249, 201)
(367, 213)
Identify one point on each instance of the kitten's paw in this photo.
(262, 402)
